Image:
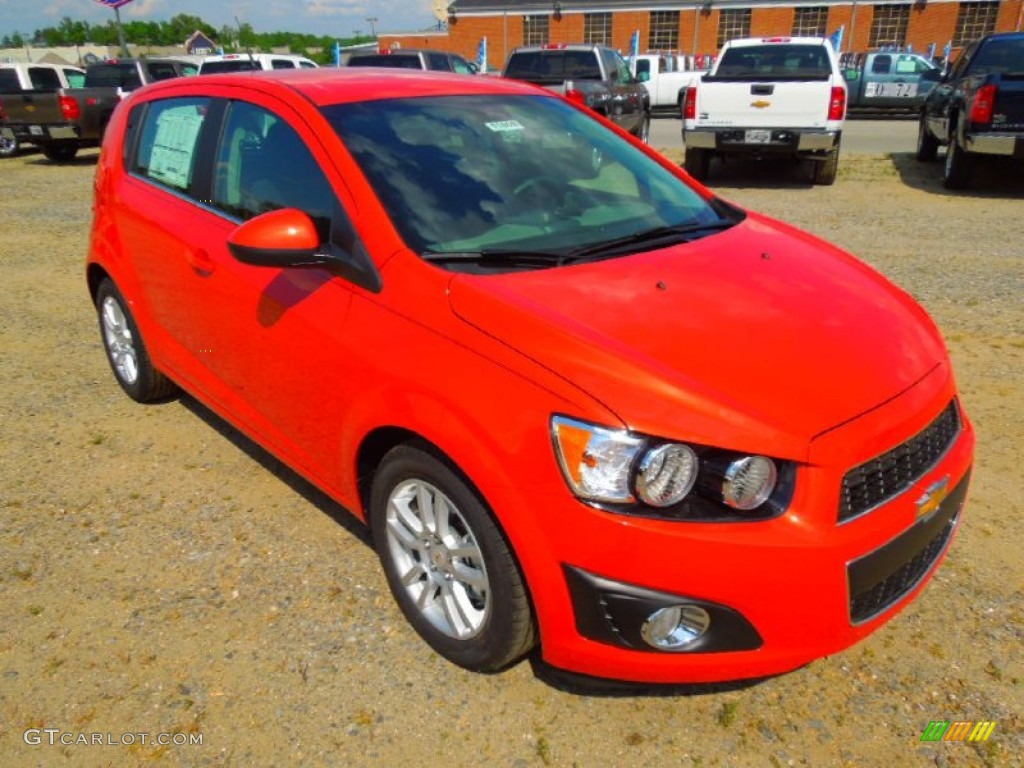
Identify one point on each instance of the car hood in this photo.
(757, 338)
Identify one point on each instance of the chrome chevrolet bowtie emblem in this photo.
(933, 497)
(761, 104)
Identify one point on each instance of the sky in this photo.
(320, 17)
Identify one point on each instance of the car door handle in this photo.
(200, 262)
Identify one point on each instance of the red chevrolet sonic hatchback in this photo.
(581, 402)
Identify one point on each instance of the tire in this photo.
(60, 153)
(643, 132)
(927, 145)
(825, 170)
(447, 563)
(956, 173)
(8, 147)
(125, 349)
(697, 163)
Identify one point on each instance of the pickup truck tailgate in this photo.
(1008, 110)
(750, 104)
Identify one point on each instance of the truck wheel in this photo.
(957, 171)
(825, 171)
(697, 163)
(59, 153)
(927, 145)
(644, 131)
(447, 563)
(8, 147)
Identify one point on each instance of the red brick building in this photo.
(702, 27)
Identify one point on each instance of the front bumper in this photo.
(755, 141)
(780, 592)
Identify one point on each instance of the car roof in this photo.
(329, 85)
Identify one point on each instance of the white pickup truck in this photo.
(664, 79)
(768, 96)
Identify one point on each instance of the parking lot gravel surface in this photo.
(159, 574)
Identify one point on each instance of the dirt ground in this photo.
(160, 574)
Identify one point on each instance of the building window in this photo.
(733, 23)
(597, 28)
(664, 34)
(810, 22)
(889, 26)
(536, 30)
(975, 20)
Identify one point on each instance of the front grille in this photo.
(875, 600)
(880, 578)
(888, 475)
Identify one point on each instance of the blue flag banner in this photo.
(634, 47)
(931, 51)
(481, 55)
(837, 38)
(113, 3)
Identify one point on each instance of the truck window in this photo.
(998, 57)
(794, 62)
(282, 64)
(9, 80)
(124, 76)
(161, 70)
(75, 78)
(44, 79)
(881, 65)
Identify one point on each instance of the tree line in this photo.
(174, 32)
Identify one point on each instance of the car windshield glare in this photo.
(463, 174)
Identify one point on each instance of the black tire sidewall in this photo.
(149, 384)
(501, 640)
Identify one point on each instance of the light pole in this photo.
(373, 30)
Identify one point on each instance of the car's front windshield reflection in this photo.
(509, 173)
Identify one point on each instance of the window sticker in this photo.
(176, 131)
(506, 125)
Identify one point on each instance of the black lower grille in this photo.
(888, 475)
(879, 579)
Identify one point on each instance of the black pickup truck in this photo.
(976, 109)
(62, 122)
(592, 75)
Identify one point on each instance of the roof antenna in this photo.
(248, 48)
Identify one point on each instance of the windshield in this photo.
(511, 175)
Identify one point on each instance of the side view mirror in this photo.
(288, 238)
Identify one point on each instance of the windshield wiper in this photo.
(497, 257)
(679, 233)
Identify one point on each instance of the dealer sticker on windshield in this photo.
(506, 125)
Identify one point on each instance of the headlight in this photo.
(643, 475)
(596, 461)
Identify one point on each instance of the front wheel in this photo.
(957, 171)
(447, 563)
(125, 349)
(643, 132)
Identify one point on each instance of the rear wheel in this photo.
(447, 563)
(8, 147)
(927, 145)
(825, 170)
(125, 349)
(60, 153)
(697, 163)
(957, 171)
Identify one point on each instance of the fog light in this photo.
(674, 628)
(749, 482)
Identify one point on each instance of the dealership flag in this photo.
(481, 55)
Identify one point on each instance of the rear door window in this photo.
(75, 78)
(168, 141)
(282, 64)
(44, 79)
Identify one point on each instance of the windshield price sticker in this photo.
(506, 125)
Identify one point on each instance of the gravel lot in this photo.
(159, 574)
